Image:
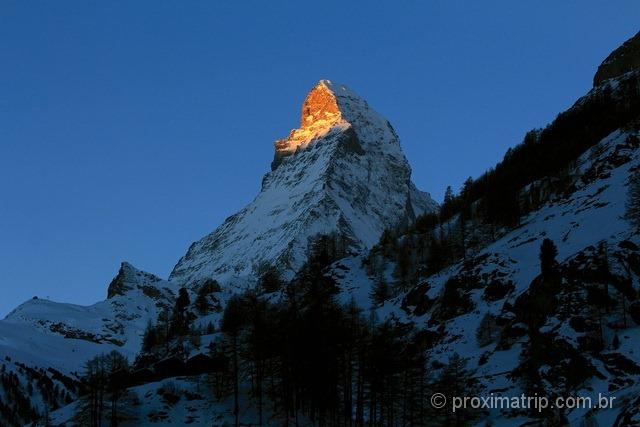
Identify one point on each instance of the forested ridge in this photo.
(300, 355)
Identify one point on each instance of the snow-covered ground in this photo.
(577, 222)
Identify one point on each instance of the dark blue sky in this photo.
(129, 130)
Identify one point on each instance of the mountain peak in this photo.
(320, 112)
(128, 278)
(326, 106)
(320, 106)
(342, 172)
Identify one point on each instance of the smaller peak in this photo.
(123, 281)
(126, 266)
(128, 278)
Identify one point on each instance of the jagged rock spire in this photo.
(320, 112)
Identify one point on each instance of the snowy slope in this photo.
(173, 402)
(53, 341)
(343, 171)
(578, 222)
(64, 336)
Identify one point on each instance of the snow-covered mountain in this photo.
(342, 171)
(63, 335)
(45, 344)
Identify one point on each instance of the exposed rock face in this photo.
(320, 112)
(343, 171)
(128, 278)
(620, 61)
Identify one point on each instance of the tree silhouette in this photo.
(548, 253)
(632, 213)
(231, 324)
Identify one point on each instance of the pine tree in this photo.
(164, 329)
(180, 319)
(405, 263)
(270, 280)
(457, 380)
(94, 379)
(231, 324)
(616, 342)
(202, 303)
(632, 213)
(604, 272)
(150, 338)
(257, 344)
(205, 301)
(548, 253)
(380, 293)
(117, 370)
(448, 195)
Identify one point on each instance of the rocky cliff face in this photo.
(320, 112)
(342, 171)
(622, 60)
(130, 278)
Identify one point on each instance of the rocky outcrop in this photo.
(620, 61)
(320, 112)
(128, 278)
